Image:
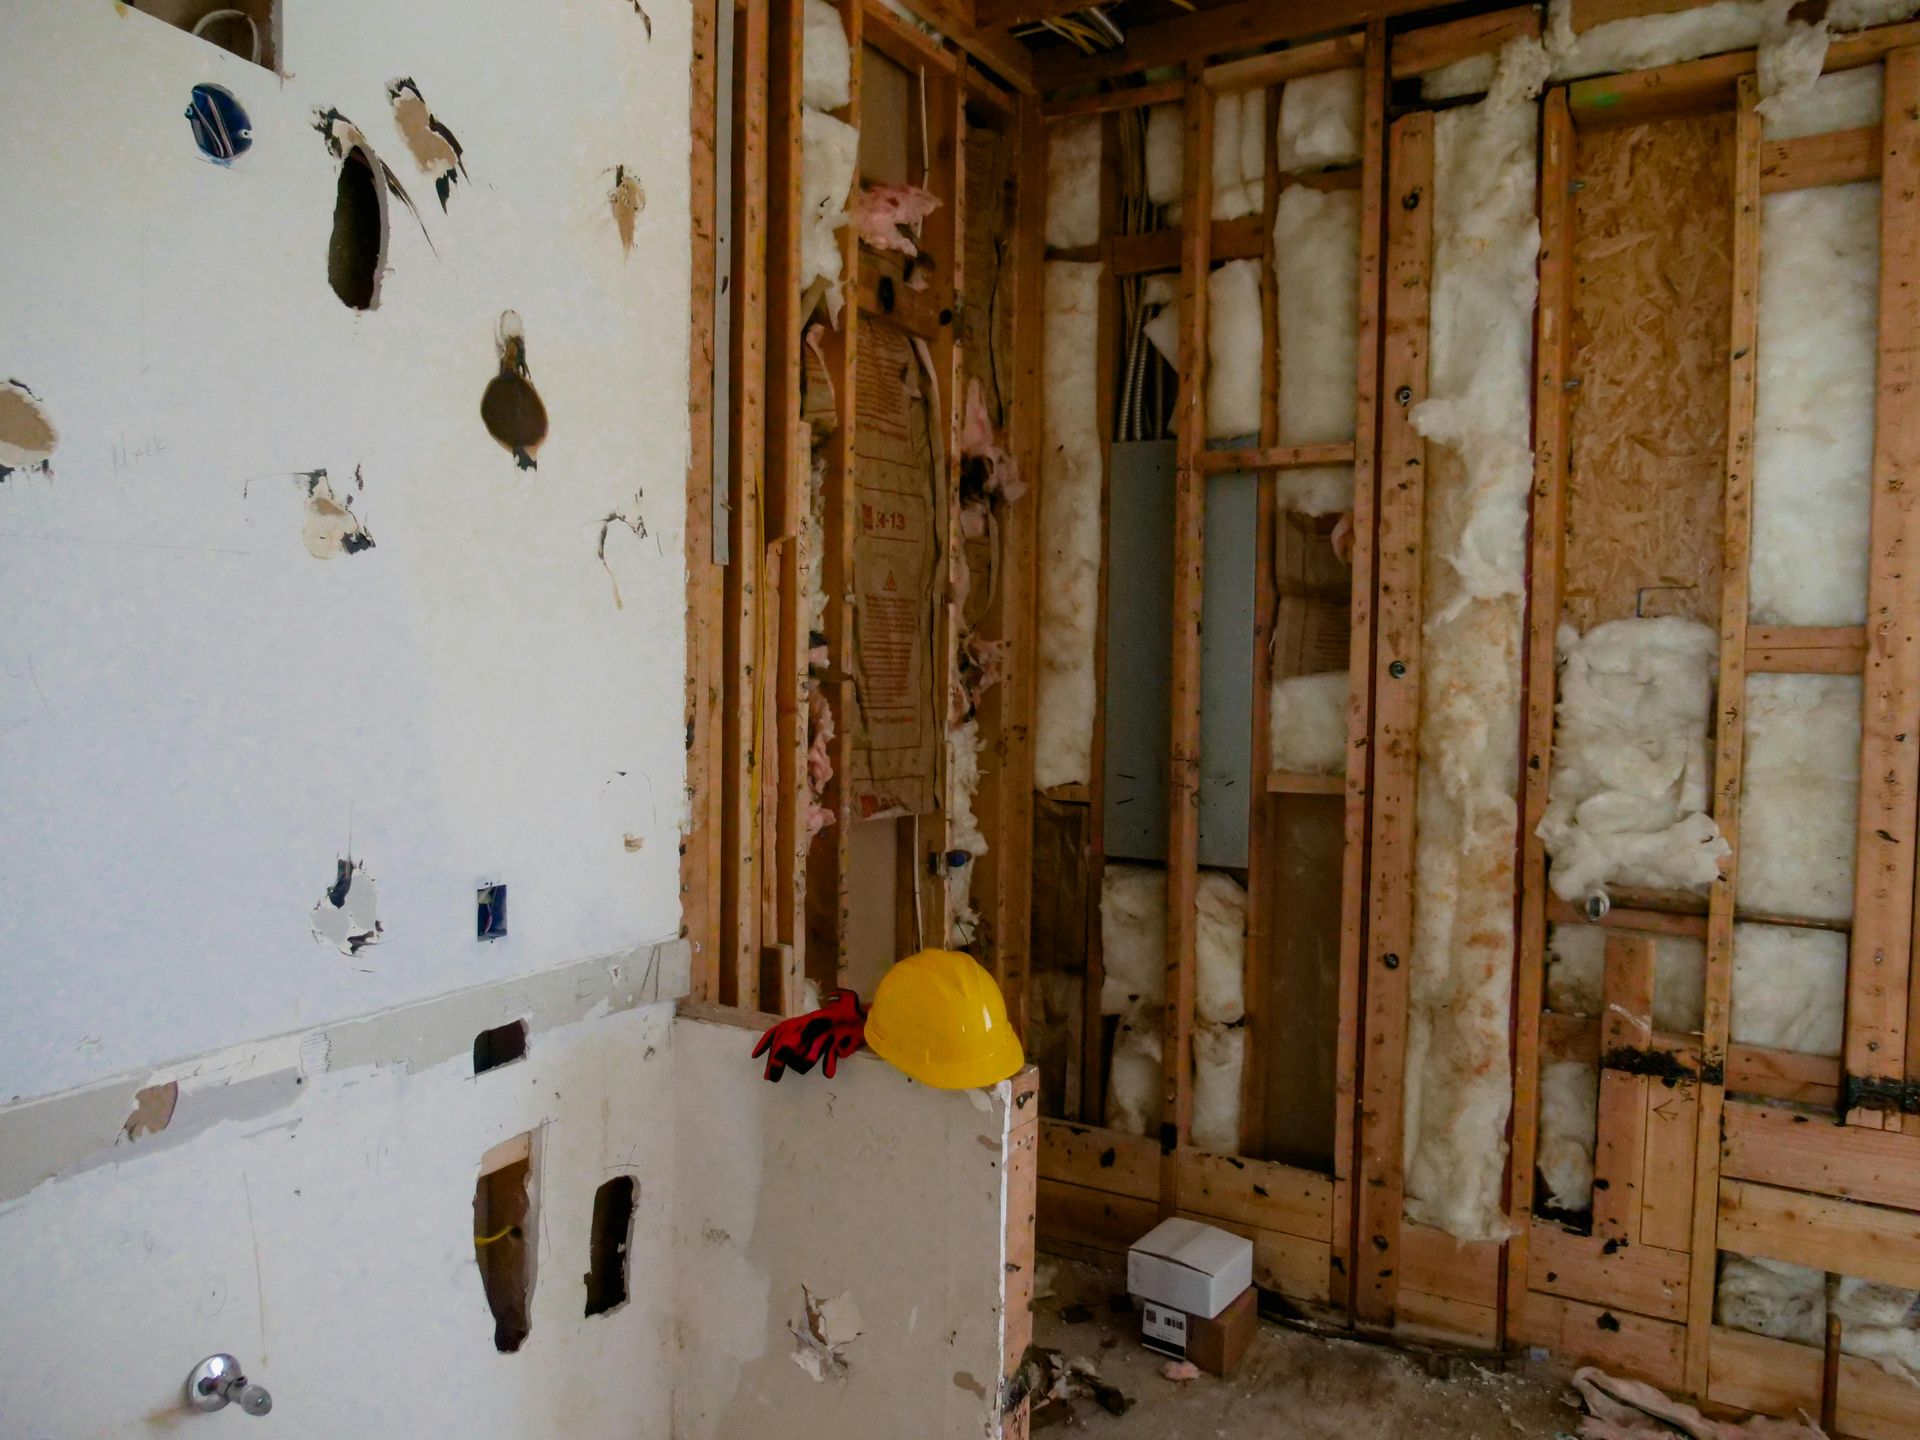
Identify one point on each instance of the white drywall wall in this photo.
(867, 1186)
(197, 715)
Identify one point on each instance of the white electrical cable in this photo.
(252, 28)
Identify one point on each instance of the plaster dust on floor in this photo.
(1289, 1383)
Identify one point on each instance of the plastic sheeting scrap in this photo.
(1073, 183)
(1307, 724)
(1801, 795)
(1321, 120)
(1630, 759)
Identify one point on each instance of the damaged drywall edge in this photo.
(829, 1325)
(1478, 419)
(347, 915)
(45, 1138)
(27, 434)
(434, 148)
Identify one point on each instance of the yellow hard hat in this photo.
(939, 1017)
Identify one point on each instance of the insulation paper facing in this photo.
(829, 154)
(1070, 484)
(1800, 796)
(1233, 350)
(1166, 153)
(1486, 238)
(1569, 1122)
(1316, 270)
(1814, 404)
(1073, 183)
(1789, 988)
(825, 58)
(1321, 121)
(1576, 976)
(1630, 762)
(1880, 1323)
(1133, 940)
(1307, 724)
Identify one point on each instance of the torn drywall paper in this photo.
(1316, 267)
(1814, 404)
(1576, 976)
(1073, 183)
(626, 198)
(826, 60)
(1307, 724)
(821, 1339)
(1071, 479)
(1630, 776)
(1321, 121)
(1789, 988)
(330, 527)
(346, 916)
(434, 148)
(27, 434)
(1477, 415)
(1233, 350)
(1800, 795)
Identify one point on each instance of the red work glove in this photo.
(835, 1030)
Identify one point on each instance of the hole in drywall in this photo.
(503, 1221)
(510, 407)
(247, 28)
(499, 1046)
(219, 123)
(612, 1232)
(490, 921)
(359, 242)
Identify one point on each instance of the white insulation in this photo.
(1631, 767)
(1233, 350)
(1073, 183)
(1316, 269)
(1814, 404)
(1569, 1123)
(1133, 939)
(1801, 795)
(1239, 154)
(1307, 724)
(1219, 1004)
(1576, 976)
(1321, 120)
(1789, 988)
(1070, 483)
(829, 155)
(1880, 1323)
(963, 829)
(1486, 239)
(1844, 100)
(825, 58)
(1166, 153)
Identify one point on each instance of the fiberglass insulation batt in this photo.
(1630, 760)
(1880, 1323)
(1321, 119)
(1233, 350)
(1576, 976)
(1477, 417)
(1307, 724)
(825, 58)
(1800, 795)
(1073, 183)
(1316, 268)
(829, 154)
(1070, 484)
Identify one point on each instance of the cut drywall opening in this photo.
(490, 912)
(503, 1205)
(612, 1233)
(358, 247)
(247, 28)
(499, 1046)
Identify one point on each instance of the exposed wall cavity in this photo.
(1789, 988)
(1800, 795)
(1239, 154)
(434, 148)
(1307, 721)
(1576, 976)
(1219, 1005)
(1880, 1323)
(1477, 419)
(1233, 350)
(606, 1276)
(505, 1231)
(1569, 1122)
(1316, 267)
(357, 249)
(510, 407)
(829, 160)
(1321, 122)
(346, 916)
(27, 436)
(1073, 184)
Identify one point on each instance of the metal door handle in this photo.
(216, 1382)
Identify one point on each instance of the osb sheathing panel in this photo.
(1652, 303)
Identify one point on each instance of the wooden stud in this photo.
(1870, 1242)
(1799, 1152)
(1415, 52)
(1804, 650)
(1883, 1017)
(1552, 458)
(1100, 102)
(1288, 782)
(1613, 1338)
(1226, 30)
(1277, 457)
(1099, 1159)
(1730, 732)
(999, 53)
(1620, 1145)
(1161, 249)
(1837, 158)
(1395, 743)
(1261, 1193)
(1777, 1377)
(1666, 1192)
(1276, 67)
(1641, 1278)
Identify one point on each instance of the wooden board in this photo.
(1870, 1242)
(1620, 1144)
(1776, 1377)
(1436, 1264)
(1614, 1339)
(1099, 1159)
(1639, 1278)
(1260, 1193)
(1096, 1218)
(1415, 52)
(1806, 1152)
(1837, 158)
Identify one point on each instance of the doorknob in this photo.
(216, 1382)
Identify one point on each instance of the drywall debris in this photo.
(1233, 350)
(1630, 759)
(27, 436)
(820, 1342)
(1801, 795)
(1576, 976)
(152, 1110)
(1070, 528)
(829, 159)
(511, 408)
(888, 217)
(1789, 988)
(1569, 1122)
(626, 198)
(1073, 183)
(635, 525)
(1486, 238)
(1814, 404)
(220, 125)
(345, 916)
(1307, 723)
(330, 527)
(1321, 121)
(826, 60)
(435, 150)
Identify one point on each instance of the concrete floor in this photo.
(1289, 1383)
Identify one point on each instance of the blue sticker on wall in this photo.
(220, 127)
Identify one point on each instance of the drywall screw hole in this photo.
(1397, 669)
(1404, 394)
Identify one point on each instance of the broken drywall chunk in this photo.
(1321, 121)
(1220, 948)
(1800, 795)
(1307, 724)
(821, 1339)
(346, 916)
(1630, 759)
(1070, 527)
(1133, 939)
(220, 125)
(1814, 405)
(435, 150)
(27, 436)
(1576, 976)
(510, 407)
(1073, 183)
(1233, 350)
(1316, 268)
(829, 159)
(1569, 1123)
(626, 198)
(330, 527)
(1789, 988)
(826, 60)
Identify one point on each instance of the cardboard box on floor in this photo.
(1196, 1285)
(1215, 1345)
